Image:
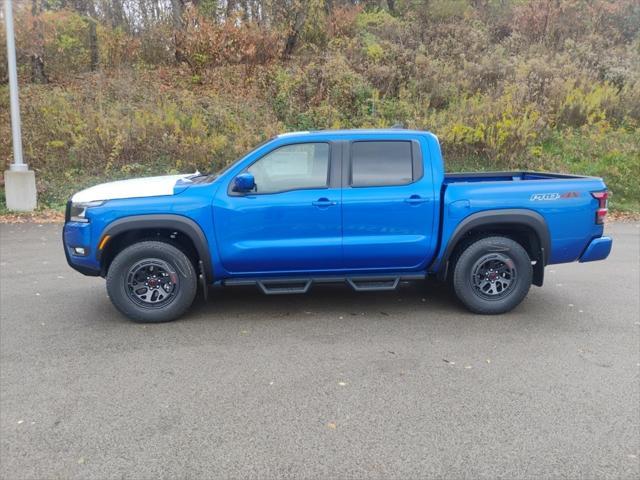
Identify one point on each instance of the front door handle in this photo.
(323, 202)
(415, 199)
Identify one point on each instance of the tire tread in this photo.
(164, 251)
(462, 269)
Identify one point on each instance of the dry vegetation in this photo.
(121, 88)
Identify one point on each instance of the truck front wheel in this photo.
(492, 275)
(152, 282)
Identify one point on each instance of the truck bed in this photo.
(516, 176)
(565, 202)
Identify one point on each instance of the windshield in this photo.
(231, 164)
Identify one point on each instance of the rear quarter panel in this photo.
(565, 204)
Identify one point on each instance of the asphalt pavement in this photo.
(332, 384)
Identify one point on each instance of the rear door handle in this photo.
(323, 202)
(415, 199)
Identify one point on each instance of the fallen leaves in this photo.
(41, 216)
(624, 217)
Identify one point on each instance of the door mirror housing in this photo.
(243, 183)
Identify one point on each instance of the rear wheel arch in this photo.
(526, 227)
(176, 230)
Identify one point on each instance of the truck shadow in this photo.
(430, 302)
(325, 299)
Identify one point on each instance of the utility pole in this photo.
(19, 181)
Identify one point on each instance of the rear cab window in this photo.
(384, 163)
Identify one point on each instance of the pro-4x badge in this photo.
(538, 197)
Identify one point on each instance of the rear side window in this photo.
(381, 163)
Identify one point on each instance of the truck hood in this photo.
(134, 188)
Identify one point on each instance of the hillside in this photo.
(120, 88)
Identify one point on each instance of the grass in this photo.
(612, 155)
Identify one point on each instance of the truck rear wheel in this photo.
(492, 275)
(152, 282)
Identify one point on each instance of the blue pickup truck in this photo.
(369, 208)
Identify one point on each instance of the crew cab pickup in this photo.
(368, 208)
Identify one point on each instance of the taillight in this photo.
(602, 210)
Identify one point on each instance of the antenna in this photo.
(398, 125)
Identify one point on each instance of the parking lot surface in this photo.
(332, 384)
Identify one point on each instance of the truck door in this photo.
(388, 206)
(292, 222)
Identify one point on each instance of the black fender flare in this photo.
(500, 219)
(179, 223)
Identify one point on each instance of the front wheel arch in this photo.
(177, 230)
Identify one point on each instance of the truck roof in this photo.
(364, 131)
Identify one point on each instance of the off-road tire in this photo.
(470, 294)
(121, 295)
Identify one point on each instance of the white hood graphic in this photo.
(134, 188)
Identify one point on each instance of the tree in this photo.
(93, 44)
(38, 74)
(177, 10)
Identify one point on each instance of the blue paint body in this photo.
(355, 230)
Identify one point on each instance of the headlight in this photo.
(78, 211)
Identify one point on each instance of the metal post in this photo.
(18, 164)
(19, 182)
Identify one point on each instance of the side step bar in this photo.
(360, 283)
(279, 287)
(373, 284)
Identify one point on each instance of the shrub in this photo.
(120, 127)
(204, 44)
(514, 84)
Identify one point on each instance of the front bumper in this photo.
(598, 249)
(79, 235)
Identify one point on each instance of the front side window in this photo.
(292, 167)
(381, 163)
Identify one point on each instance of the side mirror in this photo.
(245, 182)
